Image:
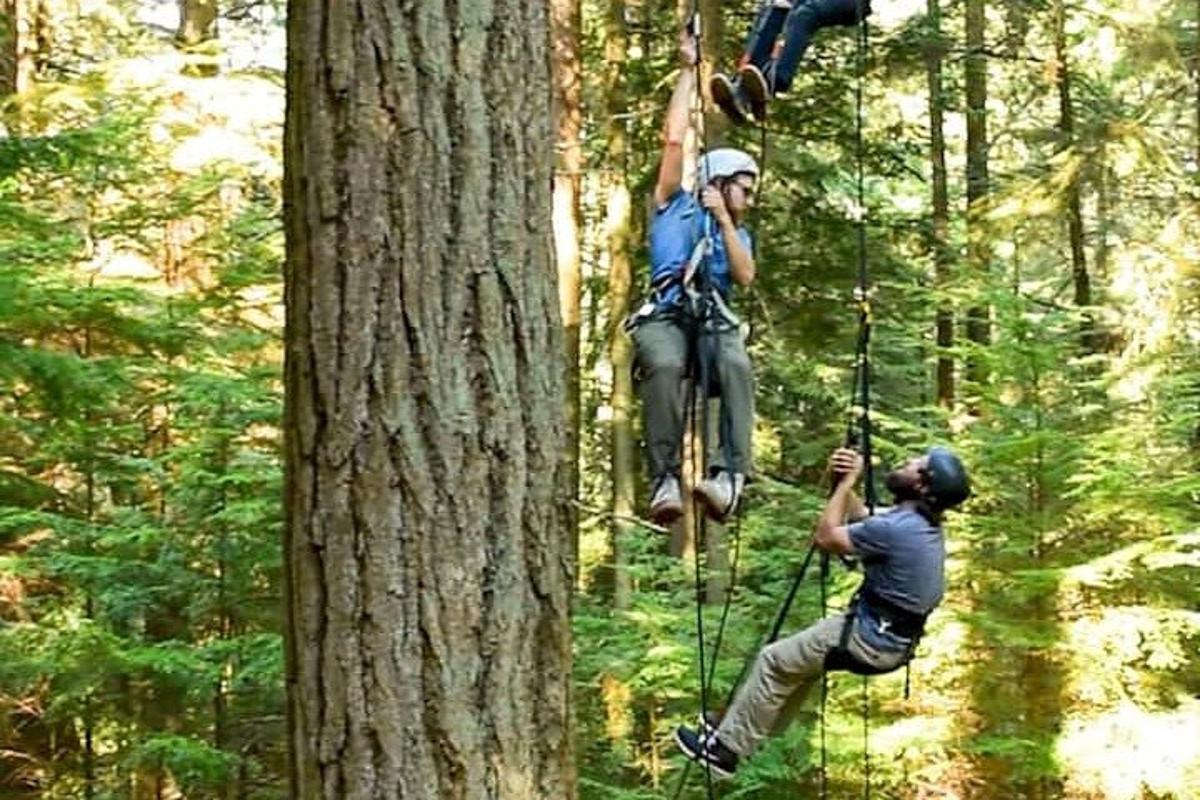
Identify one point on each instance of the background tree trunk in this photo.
(428, 573)
(712, 35)
(978, 250)
(9, 43)
(1066, 130)
(197, 21)
(620, 285)
(18, 45)
(568, 220)
(942, 256)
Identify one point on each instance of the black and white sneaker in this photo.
(708, 752)
(708, 722)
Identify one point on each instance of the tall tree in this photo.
(197, 21)
(8, 46)
(942, 257)
(978, 251)
(620, 286)
(428, 573)
(712, 30)
(1066, 133)
(17, 44)
(566, 26)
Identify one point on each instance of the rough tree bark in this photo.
(428, 572)
(566, 25)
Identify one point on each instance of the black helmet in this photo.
(946, 481)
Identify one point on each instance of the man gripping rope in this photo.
(699, 248)
(903, 555)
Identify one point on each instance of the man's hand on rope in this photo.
(688, 52)
(712, 199)
(846, 465)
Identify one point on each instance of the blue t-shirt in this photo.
(677, 226)
(903, 557)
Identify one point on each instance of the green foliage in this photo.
(139, 497)
(1073, 569)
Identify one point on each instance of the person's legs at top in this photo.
(803, 21)
(727, 92)
(760, 42)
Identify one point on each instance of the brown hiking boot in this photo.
(730, 98)
(755, 89)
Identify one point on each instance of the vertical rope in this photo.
(701, 359)
(861, 41)
(824, 682)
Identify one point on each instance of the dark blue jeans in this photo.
(803, 19)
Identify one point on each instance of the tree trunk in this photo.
(712, 34)
(18, 45)
(942, 256)
(1102, 213)
(427, 563)
(197, 21)
(978, 251)
(620, 284)
(9, 46)
(1079, 270)
(566, 25)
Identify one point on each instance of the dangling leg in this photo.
(805, 20)
(662, 353)
(730, 461)
(727, 92)
(782, 676)
(760, 42)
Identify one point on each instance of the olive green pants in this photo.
(783, 675)
(662, 361)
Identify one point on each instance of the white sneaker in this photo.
(721, 494)
(666, 505)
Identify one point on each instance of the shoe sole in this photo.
(755, 84)
(715, 512)
(716, 769)
(665, 515)
(721, 89)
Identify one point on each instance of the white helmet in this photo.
(725, 162)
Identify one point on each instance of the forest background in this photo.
(1033, 211)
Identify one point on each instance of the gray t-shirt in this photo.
(903, 557)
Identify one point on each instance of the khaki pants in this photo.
(782, 677)
(662, 358)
